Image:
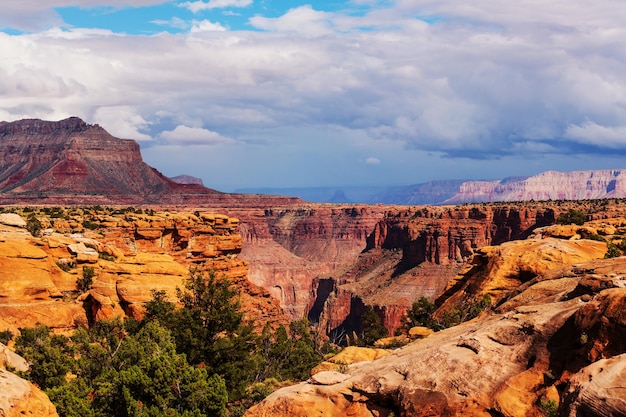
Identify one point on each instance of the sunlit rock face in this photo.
(130, 255)
(555, 341)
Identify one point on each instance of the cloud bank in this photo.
(487, 81)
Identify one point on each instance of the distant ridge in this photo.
(551, 185)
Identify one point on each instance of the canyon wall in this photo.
(414, 252)
(288, 247)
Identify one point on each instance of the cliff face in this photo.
(72, 162)
(287, 248)
(554, 341)
(551, 185)
(414, 252)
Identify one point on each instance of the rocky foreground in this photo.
(129, 254)
(553, 344)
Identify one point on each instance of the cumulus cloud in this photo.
(372, 161)
(34, 15)
(303, 20)
(482, 80)
(591, 133)
(206, 26)
(184, 135)
(197, 6)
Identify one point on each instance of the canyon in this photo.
(98, 207)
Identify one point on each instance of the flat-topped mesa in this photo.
(70, 162)
(39, 127)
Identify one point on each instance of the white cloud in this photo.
(372, 161)
(122, 122)
(197, 6)
(184, 135)
(206, 26)
(303, 20)
(174, 22)
(487, 79)
(591, 133)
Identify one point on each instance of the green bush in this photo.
(6, 336)
(84, 283)
(33, 225)
(572, 216)
(550, 408)
(87, 224)
(612, 251)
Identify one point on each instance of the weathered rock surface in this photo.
(131, 254)
(505, 362)
(599, 389)
(19, 397)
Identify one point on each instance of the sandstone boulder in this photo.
(599, 389)
(12, 359)
(12, 219)
(83, 253)
(20, 398)
(328, 378)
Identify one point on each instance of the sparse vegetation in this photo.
(6, 336)
(84, 283)
(612, 251)
(88, 224)
(33, 225)
(572, 216)
(422, 313)
(106, 256)
(549, 407)
(373, 328)
(66, 264)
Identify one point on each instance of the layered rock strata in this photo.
(70, 162)
(551, 185)
(414, 252)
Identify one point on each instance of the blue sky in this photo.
(177, 17)
(252, 93)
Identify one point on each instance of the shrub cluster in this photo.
(194, 358)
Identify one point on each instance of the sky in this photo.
(277, 93)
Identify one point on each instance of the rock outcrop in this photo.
(129, 254)
(19, 398)
(558, 337)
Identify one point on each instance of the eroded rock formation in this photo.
(558, 337)
(551, 185)
(130, 255)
